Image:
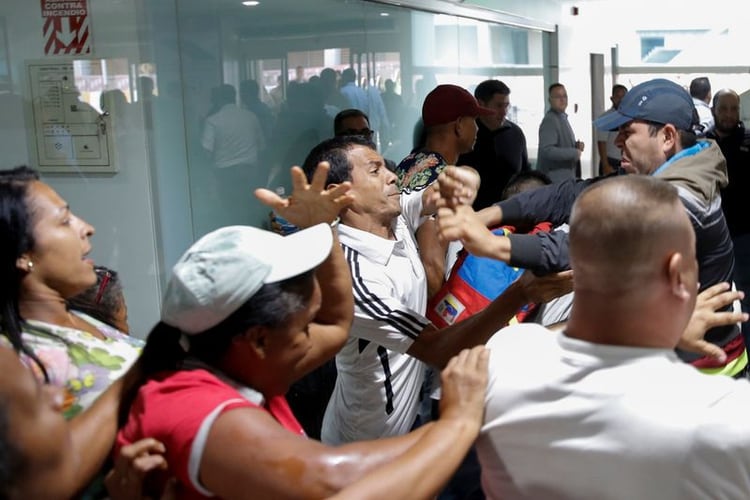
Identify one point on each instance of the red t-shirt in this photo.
(178, 409)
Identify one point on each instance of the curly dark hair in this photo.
(103, 300)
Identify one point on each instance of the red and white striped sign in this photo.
(66, 27)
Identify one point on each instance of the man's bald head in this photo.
(623, 232)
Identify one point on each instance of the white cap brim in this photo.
(296, 253)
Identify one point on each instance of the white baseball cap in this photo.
(225, 268)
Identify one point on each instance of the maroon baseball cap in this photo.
(447, 103)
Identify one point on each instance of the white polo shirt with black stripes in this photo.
(378, 385)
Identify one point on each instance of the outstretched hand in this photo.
(541, 289)
(309, 204)
(132, 466)
(706, 316)
(463, 385)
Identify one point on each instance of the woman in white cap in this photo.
(247, 312)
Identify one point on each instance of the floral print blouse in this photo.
(418, 170)
(82, 364)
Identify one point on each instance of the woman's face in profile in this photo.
(290, 344)
(61, 244)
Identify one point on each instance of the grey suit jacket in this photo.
(558, 155)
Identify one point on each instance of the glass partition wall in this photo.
(122, 117)
(284, 50)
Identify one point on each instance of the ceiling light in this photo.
(250, 3)
(384, 14)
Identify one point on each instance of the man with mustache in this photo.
(655, 122)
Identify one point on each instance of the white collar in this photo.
(373, 247)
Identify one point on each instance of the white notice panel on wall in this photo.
(71, 135)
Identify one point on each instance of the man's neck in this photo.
(444, 147)
(489, 125)
(383, 229)
(607, 320)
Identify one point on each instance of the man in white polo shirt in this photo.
(381, 367)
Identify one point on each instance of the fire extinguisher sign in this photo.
(67, 29)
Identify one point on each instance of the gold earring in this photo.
(30, 266)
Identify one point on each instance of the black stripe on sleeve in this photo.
(372, 305)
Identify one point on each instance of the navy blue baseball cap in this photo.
(659, 101)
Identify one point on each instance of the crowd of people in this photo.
(301, 362)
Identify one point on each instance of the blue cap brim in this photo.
(611, 121)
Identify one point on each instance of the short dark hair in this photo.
(343, 115)
(525, 181)
(224, 94)
(607, 237)
(249, 91)
(700, 87)
(334, 151)
(489, 88)
(618, 86)
(348, 75)
(554, 86)
(328, 77)
(688, 138)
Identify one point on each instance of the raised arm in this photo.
(426, 466)
(432, 251)
(542, 252)
(436, 347)
(455, 186)
(464, 224)
(432, 248)
(308, 205)
(247, 451)
(93, 432)
(546, 204)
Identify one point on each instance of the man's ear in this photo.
(677, 281)
(671, 137)
(457, 126)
